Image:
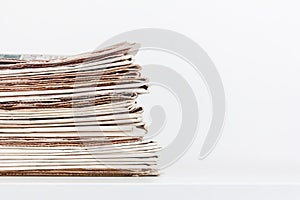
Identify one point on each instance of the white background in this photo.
(254, 45)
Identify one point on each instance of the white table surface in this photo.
(206, 182)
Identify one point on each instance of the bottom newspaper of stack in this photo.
(74, 115)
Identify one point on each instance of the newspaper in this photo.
(74, 115)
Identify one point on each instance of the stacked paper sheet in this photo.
(74, 115)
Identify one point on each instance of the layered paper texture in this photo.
(74, 115)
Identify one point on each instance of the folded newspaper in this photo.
(74, 115)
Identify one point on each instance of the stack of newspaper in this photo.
(74, 115)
